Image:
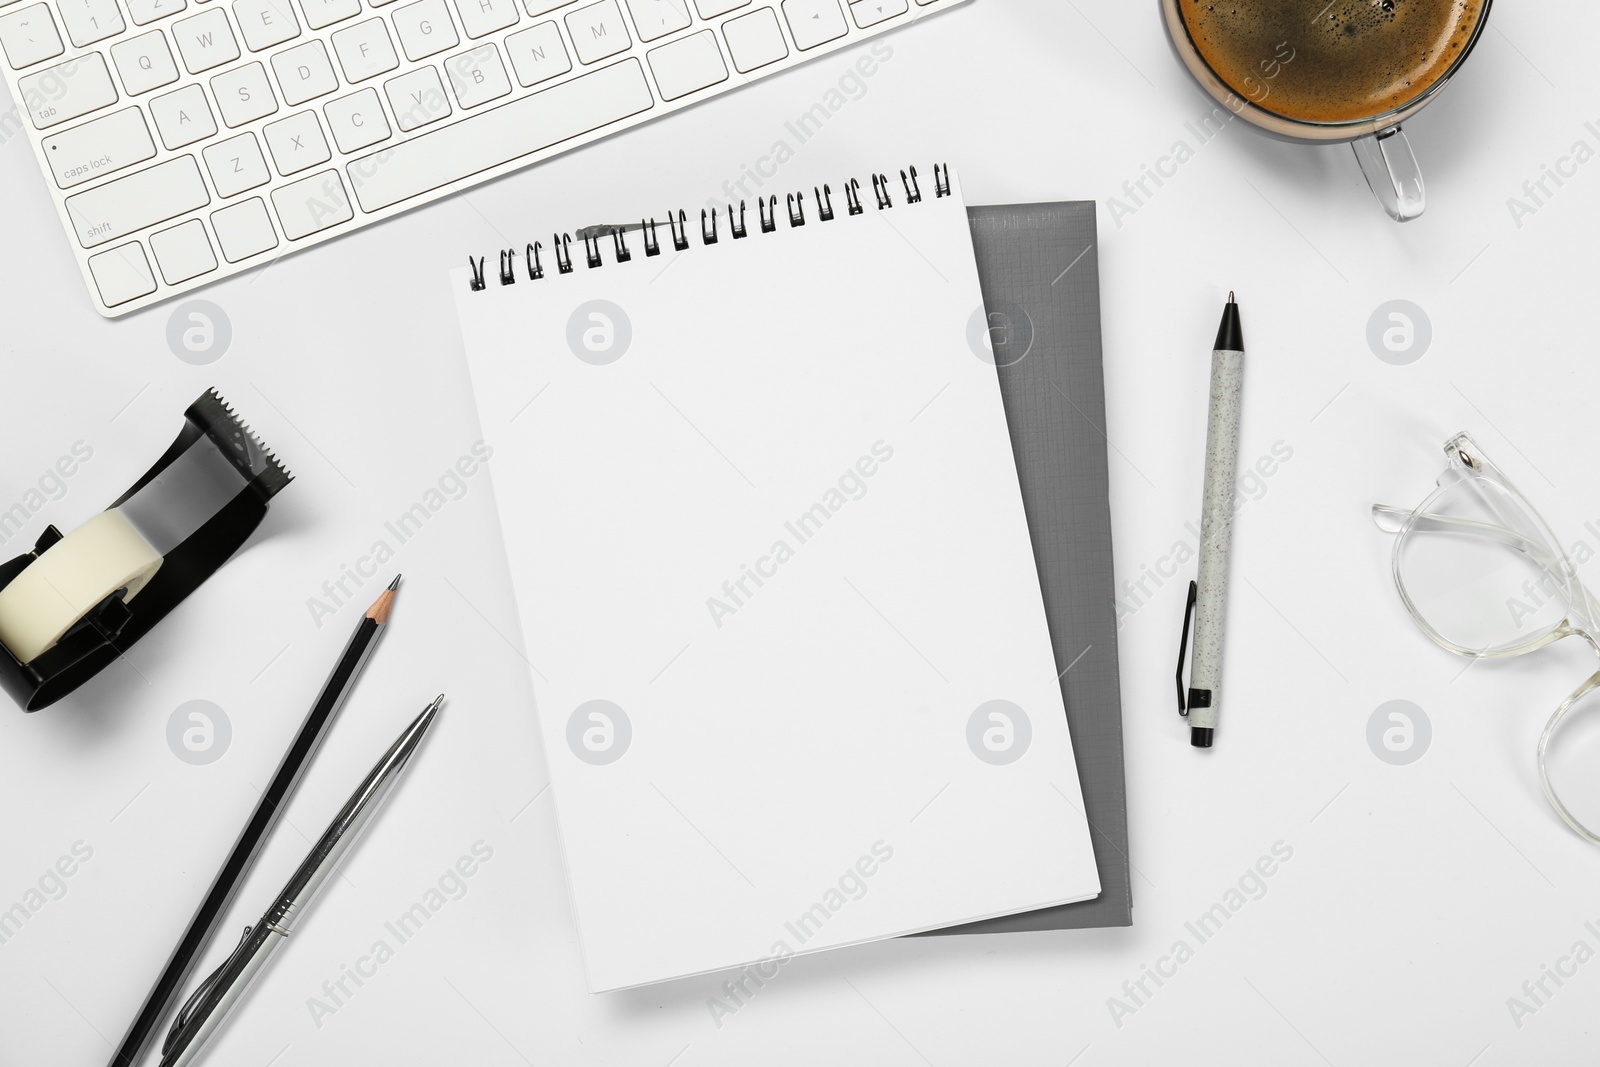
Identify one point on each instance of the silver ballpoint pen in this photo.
(221, 992)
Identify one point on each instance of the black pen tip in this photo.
(1230, 335)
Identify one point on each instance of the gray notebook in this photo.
(1038, 269)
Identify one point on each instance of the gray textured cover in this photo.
(1039, 271)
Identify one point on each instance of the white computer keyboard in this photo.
(187, 140)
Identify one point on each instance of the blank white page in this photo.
(759, 502)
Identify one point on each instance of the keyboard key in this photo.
(312, 204)
(357, 121)
(244, 94)
(99, 147)
(871, 12)
(478, 76)
(265, 23)
(688, 65)
(754, 40)
(320, 13)
(500, 135)
(425, 29)
(183, 117)
(88, 21)
(63, 92)
(183, 252)
(145, 12)
(364, 50)
(205, 40)
(814, 22)
(535, 8)
(29, 36)
(710, 9)
(598, 31)
(417, 98)
(145, 62)
(479, 17)
(304, 72)
(129, 204)
(244, 229)
(122, 274)
(657, 18)
(296, 142)
(236, 165)
(538, 54)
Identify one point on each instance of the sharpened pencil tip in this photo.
(379, 612)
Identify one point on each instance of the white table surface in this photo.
(1417, 898)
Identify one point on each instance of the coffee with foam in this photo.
(1347, 61)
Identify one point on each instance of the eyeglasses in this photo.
(1483, 576)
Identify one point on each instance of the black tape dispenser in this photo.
(78, 601)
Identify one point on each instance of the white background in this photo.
(1417, 899)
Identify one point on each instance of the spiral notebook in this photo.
(790, 658)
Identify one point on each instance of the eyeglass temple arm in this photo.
(1455, 524)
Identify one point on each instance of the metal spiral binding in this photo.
(913, 190)
(880, 189)
(678, 224)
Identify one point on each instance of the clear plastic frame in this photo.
(1483, 576)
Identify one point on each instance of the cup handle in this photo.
(1392, 174)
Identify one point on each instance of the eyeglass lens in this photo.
(1478, 572)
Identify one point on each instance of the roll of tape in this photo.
(72, 576)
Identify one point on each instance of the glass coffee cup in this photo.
(1366, 66)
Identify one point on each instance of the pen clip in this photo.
(1183, 643)
(187, 1011)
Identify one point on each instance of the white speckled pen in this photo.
(1209, 596)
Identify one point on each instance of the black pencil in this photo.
(175, 975)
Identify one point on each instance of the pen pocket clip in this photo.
(186, 1012)
(1198, 698)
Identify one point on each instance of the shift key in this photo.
(130, 204)
(98, 148)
